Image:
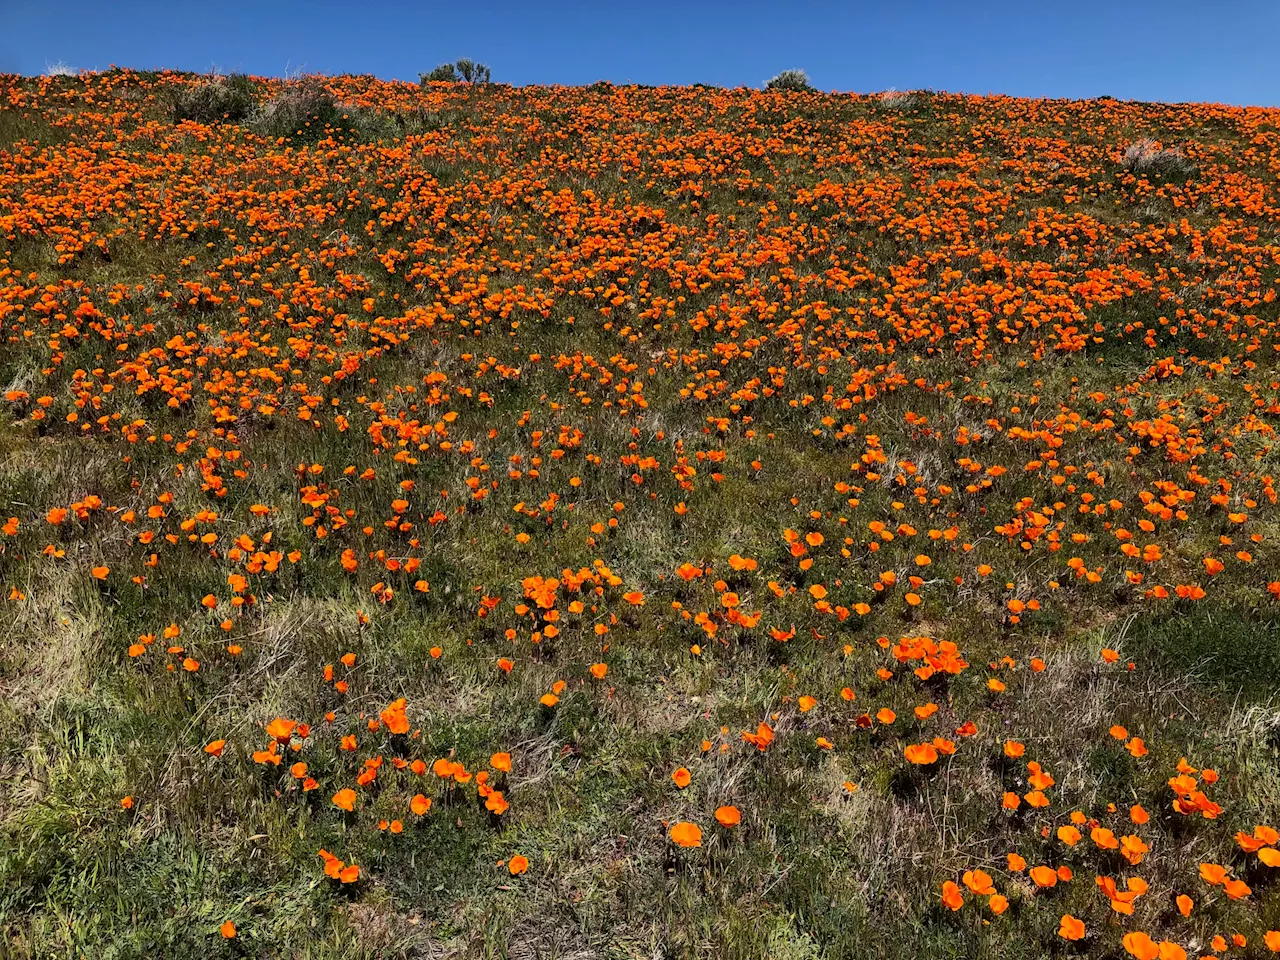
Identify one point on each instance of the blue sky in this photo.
(1215, 50)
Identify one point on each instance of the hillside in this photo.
(459, 520)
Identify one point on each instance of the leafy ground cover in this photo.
(457, 520)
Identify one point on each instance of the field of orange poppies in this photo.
(636, 522)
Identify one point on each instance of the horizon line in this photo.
(85, 72)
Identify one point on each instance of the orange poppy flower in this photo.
(686, 834)
(395, 717)
(1043, 877)
(281, 729)
(921, 754)
(728, 816)
(1071, 928)
(1140, 946)
(978, 882)
(345, 799)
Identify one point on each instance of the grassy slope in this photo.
(941, 191)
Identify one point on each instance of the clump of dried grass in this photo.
(1147, 156)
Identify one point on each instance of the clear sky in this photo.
(1221, 51)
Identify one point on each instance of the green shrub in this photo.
(368, 123)
(471, 71)
(445, 73)
(462, 71)
(305, 110)
(789, 80)
(232, 98)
